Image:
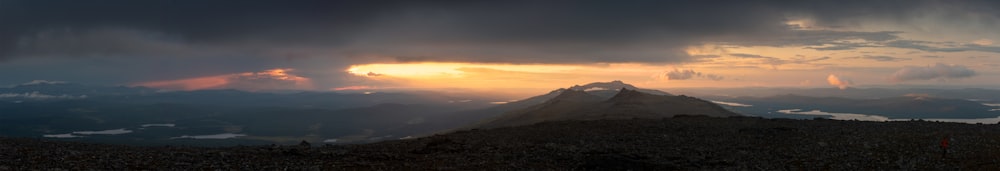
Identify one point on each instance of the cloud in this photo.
(820, 39)
(936, 71)
(983, 42)
(744, 55)
(352, 88)
(941, 46)
(104, 132)
(686, 74)
(714, 77)
(840, 82)
(805, 82)
(127, 41)
(37, 82)
(39, 96)
(272, 79)
(469, 31)
(682, 74)
(774, 62)
(879, 58)
(849, 42)
(102, 42)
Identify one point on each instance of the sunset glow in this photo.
(415, 70)
(480, 76)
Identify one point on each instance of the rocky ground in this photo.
(684, 143)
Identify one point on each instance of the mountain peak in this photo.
(626, 103)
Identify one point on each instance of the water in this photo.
(869, 117)
(734, 104)
(213, 136)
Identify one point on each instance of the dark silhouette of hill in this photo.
(602, 90)
(681, 143)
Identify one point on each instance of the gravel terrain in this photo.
(682, 143)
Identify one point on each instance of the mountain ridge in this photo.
(574, 104)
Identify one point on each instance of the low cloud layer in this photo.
(39, 96)
(273, 79)
(840, 82)
(879, 58)
(687, 74)
(470, 31)
(775, 62)
(936, 71)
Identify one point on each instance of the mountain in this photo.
(601, 90)
(573, 104)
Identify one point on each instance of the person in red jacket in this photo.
(944, 146)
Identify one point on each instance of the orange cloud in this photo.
(841, 83)
(210, 82)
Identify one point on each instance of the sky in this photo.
(323, 45)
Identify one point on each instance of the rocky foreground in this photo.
(684, 143)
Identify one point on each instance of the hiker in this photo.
(944, 146)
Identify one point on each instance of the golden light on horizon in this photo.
(544, 76)
(433, 69)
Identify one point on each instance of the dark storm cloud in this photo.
(846, 13)
(480, 31)
(484, 31)
(114, 38)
